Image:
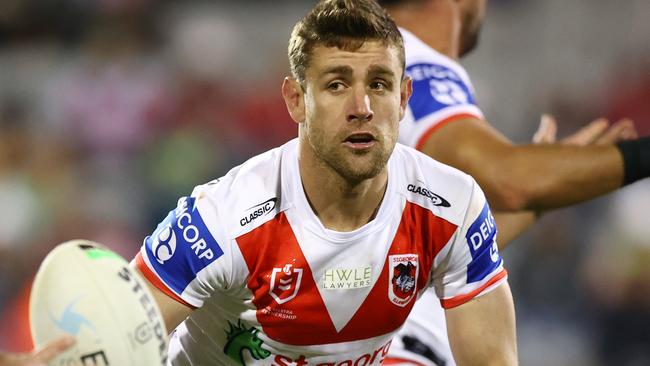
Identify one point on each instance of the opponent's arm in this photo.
(482, 331)
(512, 224)
(598, 132)
(519, 177)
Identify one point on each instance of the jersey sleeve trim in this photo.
(156, 282)
(425, 136)
(461, 299)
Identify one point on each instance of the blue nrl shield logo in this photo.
(403, 276)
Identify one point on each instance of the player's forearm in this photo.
(482, 331)
(172, 311)
(537, 177)
(545, 177)
(511, 225)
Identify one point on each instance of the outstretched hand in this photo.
(40, 357)
(598, 132)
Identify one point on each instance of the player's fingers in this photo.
(621, 130)
(547, 131)
(53, 349)
(588, 134)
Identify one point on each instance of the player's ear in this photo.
(406, 89)
(293, 95)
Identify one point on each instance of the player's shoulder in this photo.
(249, 194)
(423, 61)
(440, 188)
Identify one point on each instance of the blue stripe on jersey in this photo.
(181, 246)
(436, 87)
(481, 239)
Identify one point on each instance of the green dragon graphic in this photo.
(241, 338)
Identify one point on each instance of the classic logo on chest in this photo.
(403, 276)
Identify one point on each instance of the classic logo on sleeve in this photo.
(403, 276)
(436, 87)
(481, 239)
(181, 246)
(285, 283)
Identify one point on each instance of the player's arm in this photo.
(512, 224)
(482, 331)
(598, 132)
(471, 282)
(173, 312)
(174, 256)
(40, 357)
(519, 177)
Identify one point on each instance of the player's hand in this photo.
(598, 132)
(38, 358)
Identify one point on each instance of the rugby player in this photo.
(353, 226)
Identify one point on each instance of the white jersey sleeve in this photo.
(471, 265)
(442, 92)
(183, 245)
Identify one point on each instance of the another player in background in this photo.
(444, 122)
(260, 260)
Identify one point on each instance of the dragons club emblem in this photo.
(403, 276)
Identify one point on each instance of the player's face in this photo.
(353, 103)
(472, 12)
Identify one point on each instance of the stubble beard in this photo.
(353, 166)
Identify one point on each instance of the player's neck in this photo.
(439, 27)
(338, 204)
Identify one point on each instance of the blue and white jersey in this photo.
(442, 92)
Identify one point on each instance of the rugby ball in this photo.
(85, 290)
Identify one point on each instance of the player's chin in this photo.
(365, 167)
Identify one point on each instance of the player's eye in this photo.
(335, 86)
(379, 85)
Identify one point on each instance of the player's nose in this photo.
(359, 106)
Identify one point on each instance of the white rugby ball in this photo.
(85, 290)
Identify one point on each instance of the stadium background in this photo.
(112, 109)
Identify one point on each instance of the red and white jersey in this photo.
(442, 93)
(273, 286)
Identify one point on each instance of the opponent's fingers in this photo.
(53, 349)
(547, 131)
(621, 130)
(588, 134)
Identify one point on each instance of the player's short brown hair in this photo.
(345, 24)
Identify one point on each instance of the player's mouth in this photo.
(360, 141)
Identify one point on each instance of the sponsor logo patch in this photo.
(347, 278)
(258, 211)
(403, 276)
(435, 199)
(436, 87)
(285, 283)
(481, 239)
(181, 246)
